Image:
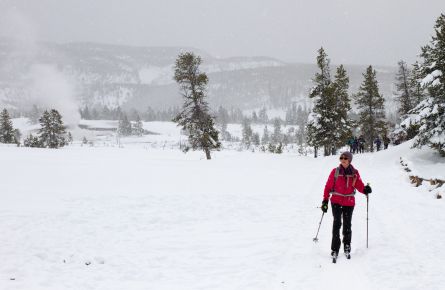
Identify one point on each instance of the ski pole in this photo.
(316, 237)
(367, 218)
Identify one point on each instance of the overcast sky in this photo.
(352, 31)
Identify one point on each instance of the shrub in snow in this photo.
(32, 141)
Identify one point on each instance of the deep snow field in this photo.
(155, 218)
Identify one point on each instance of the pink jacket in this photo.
(344, 189)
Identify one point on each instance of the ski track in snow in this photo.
(89, 218)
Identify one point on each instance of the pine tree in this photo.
(265, 139)
(432, 110)
(371, 107)
(247, 133)
(52, 133)
(124, 126)
(6, 129)
(341, 106)
(262, 116)
(321, 124)
(223, 119)
(291, 115)
(277, 135)
(138, 128)
(256, 139)
(195, 117)
(279, 148)
(254, 117)
(403, 87)
(32, 141)
(417, 90)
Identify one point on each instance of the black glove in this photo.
(368, 189)
(324, 206)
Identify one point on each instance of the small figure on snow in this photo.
(341, 186)
(361, 144)
(378, 143)
(386, 141)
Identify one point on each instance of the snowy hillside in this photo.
(120, 218)
(137, 77)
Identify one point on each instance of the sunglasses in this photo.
(343, 158)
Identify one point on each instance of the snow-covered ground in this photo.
(146, 218)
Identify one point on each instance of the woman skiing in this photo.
(341, 186)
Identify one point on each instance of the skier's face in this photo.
(344, 161)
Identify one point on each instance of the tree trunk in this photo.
(326, 150)
(315, 152)
(207, 151)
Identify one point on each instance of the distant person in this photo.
(342, 183)
(355, 146)
(351, 144)
(378, 143)
(385, 142)
(361, 144)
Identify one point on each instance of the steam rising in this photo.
(51, 88)
(45, 85)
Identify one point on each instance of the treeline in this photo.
(421, 94)
(148, 115)
(294, 115)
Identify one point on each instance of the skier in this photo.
(342, 184)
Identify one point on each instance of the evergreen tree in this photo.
(256, 139)
(279, 148)
(124, 126)
(277, 135)
(138, 128)
(403, 89)
(223, 119)
(291, 115)
(254, 118)
(417, 90)
(321, 124)
(341, 106)
(32, 141)
(52, 133)
(6, 129)
(86, 115)
(432, 110)
(247, 132)
(371, 107)
(265, 139)
(195, 118)
(262, 116)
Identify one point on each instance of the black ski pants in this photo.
(340, 212)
